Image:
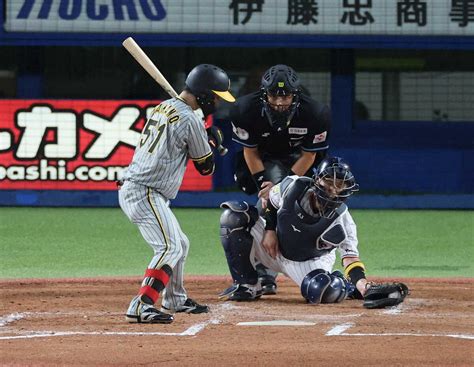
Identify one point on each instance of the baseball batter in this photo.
(173, 134)
(305, 221)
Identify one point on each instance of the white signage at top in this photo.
(311, 17)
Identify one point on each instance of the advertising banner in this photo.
(316, 17)
(73, 144)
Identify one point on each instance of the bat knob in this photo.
(222, 150)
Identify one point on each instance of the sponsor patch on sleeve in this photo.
(298, 130)
(241, 133)
(320, 137)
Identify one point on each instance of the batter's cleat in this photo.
(242, 292)
(144, 313)
(269, 286)
(189, 306)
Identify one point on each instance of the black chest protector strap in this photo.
(299, 233)
(299, 187)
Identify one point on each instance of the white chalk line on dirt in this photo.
(396, 310)
(193, 330)
(5, 320)
(416, 308)
(340, 330)
(276, 323)
(251, 312)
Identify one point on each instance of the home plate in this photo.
(276, 323)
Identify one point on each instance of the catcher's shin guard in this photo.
(314, 285)
(236, 221)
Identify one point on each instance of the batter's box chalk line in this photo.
(340, 330)
(216, 318)
(417, 307)
(276, 323)
(310, 316)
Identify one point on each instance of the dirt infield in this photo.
(81, 323)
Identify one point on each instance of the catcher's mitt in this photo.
(385, 295)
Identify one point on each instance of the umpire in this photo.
(283, 132)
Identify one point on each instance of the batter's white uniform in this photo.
(297, 270)
(172, 134)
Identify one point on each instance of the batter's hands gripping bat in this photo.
(143, 59)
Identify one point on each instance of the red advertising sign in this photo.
(73, 144)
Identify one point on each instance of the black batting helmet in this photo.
(280, 80)
(208, 79)
(204, 82)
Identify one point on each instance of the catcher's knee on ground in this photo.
(318, 286)
(236, 221)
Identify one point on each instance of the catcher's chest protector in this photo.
(299, 234)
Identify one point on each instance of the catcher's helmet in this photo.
(204, 82)
(318, 286)
(334, 183)
(280, 80)
(314, 285)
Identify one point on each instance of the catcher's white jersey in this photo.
(348, 247)
(296, 270)
(171, 134)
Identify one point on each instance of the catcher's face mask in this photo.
(279, 106)
(333, 185)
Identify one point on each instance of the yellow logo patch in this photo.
(281, 84)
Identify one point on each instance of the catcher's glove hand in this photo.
(385, 295)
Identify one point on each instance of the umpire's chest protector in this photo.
(302, 236)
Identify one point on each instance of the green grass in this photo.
(418, 243)
(66, 242)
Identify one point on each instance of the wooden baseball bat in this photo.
(142, 58)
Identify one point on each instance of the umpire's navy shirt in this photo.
(308, 129)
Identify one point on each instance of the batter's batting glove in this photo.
(216, 138)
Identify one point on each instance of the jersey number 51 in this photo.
(147, 132)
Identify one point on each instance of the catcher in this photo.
(305, 221)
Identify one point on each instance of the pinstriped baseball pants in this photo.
(295, 270)
(150, 211)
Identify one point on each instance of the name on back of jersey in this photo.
(167, 110)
